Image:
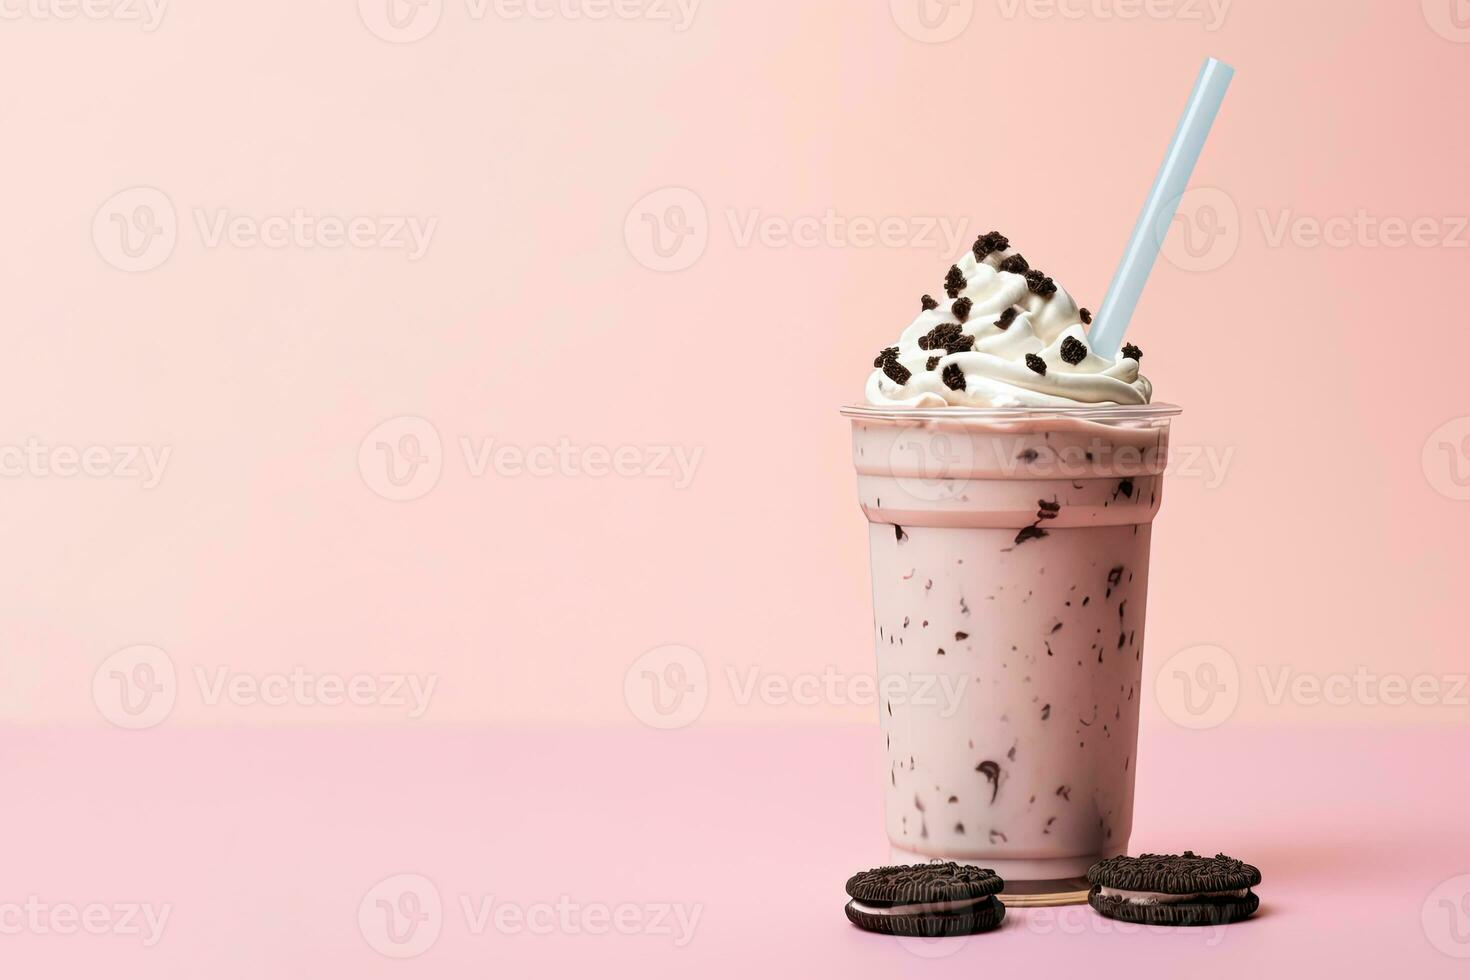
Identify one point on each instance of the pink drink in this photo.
(1010, 563)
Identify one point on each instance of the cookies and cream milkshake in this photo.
(1010, 476)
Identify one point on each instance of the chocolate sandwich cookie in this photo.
(1174, 889)
(925, 900)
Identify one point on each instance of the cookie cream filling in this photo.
(1162, 898)
(919, 908)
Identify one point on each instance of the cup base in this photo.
(1045, 892)
(1030, 883)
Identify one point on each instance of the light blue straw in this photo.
(1158, 211)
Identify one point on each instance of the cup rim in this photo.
(1110, 412)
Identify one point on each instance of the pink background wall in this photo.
(1334, 538)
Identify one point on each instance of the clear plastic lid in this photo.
(1091, 413)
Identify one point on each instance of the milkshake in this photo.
(1010, 476)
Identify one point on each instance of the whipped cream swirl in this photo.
(1001, 335)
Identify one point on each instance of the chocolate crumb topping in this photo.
(962, 308)
(929, 303)
(1086, 314)
(1130, 351)
(992, 241)
(900, 534)
(947, 337)
(954, 282)
(1034, 363)
(1016, 263)
(954, 377)
(1040, 283)
(1073, 350)
(932, 363)
(888, 361)
(1007, 317)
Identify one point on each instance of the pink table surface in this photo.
(266, 845)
